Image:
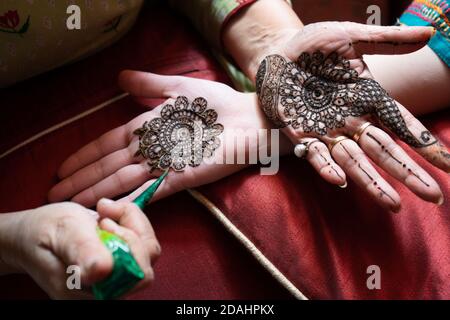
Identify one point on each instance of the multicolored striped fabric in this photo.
(434, 13)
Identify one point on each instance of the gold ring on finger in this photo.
(337, 140)
(359, 132)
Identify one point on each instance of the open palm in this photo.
(320, 92)
(108, 166)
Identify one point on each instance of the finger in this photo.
(109, 142)
(173, 183)
(93, 173)
(321, 160)
(355, 164)
(351, 40)
(122, 181)
(128, 215)
(82, 247)
(148, 85)
(137, 248)
(373, 39)
(380, 147)
(410, 130)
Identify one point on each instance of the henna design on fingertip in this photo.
(328, 162)
(373, 181)
(401, 163)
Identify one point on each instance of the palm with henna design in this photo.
(109, 166)
(328, 92)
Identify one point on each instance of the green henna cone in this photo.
(126, 272)
(147, 195)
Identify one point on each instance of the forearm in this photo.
(419, 80)
(8, 248)
(255, 32)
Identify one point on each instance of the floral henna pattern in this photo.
(183, 135)
(318, 92)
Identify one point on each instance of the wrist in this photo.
(272, 42)
(10, 244)
(258, 30)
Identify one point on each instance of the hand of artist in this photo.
(108, 166)
(43, 242)
(322, 96)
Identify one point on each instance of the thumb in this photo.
(76, 243)
(373, 39)
(148, 85)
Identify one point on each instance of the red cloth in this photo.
(200, 260)
(321, 237)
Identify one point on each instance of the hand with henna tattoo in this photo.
(327, 92)
(199, 116)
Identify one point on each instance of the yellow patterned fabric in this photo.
(34, 36)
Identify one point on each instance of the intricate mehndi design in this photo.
(327, 162)
(399, 162)
(372, 180)
(184, 135)
(318, 92)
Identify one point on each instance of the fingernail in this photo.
(158, 248)
(93, 213)
(106, 201)
(440, 202)
(433, 31)
(109, 224)
(343, 186)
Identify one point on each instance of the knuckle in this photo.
(130, 152)
(129, 236)
(132, 208)
(155, 250)
(99, 168)
(57, 288)
(319, 148)
(98, 144)
(118, 177)
(64, 222)
(149, 276)
(44, 237)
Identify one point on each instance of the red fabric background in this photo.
(321, 237)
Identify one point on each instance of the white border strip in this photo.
(250, 246)
(63, 124)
